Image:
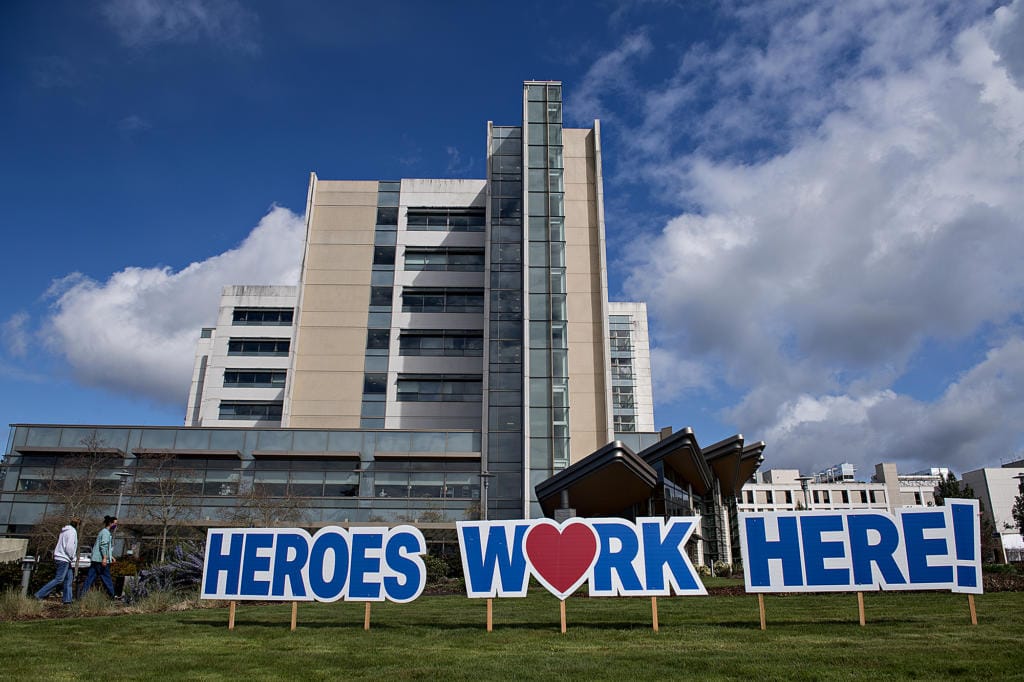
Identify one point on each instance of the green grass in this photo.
(921, 635)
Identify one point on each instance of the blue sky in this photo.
(820, 202)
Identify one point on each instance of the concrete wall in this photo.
(590, 417)
(326, 380)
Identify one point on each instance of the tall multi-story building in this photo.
(449, 346)
(242, 363)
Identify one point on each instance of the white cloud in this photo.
(855, 184)
(136, 331)
(226, 23)
(15, 334)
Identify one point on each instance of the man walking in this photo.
(101, 558)
(64, 556)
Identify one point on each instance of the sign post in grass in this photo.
(490, 615)
(561, 611)
(760, 607)
(231, 615)
(366, 617)
(654, 613)
(860, 607)
(974, 612)
(295, 614)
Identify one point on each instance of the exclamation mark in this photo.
(965, 524)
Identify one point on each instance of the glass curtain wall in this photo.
(504, 463)
(378, 326)
(549, 370)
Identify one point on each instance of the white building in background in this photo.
(997, 488)
(241, 365)
(630, 357)
(787, 490)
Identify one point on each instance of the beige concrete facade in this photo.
(326, 377)
(586, 293)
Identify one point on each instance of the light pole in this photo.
(805, 482)
(485, 480)
(124, 476)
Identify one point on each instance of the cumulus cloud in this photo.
(851, 191)
(225, 23)
(136, 331)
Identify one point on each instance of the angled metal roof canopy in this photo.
(604, 483)
(681, 452)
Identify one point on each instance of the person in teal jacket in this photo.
(101, 558)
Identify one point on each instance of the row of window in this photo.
(264, 317)
(192, 481)
(622, 368)
(449, 343)
(251, 409)
(447, 219)
(450, 260)
(253, 346)
(428, 389)
(448, 300)
(254, 378)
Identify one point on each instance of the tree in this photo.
(949, 488)
(81, 487)
(259, 507)
(1018, 506)
(162, 494)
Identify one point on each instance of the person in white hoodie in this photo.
(64, 556)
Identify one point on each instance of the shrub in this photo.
(703, 570)
(179, 574)
(437, 569)
(723, 568)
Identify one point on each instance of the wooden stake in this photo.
(366, 617)
(561, 609)
(490, 615)
(295, 613)
(860, 607)
(974, 612)
(231, 615)
(760, 607)
(654, 612)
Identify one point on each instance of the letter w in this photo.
(494, 564)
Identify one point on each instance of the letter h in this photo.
(760, 550)
(218, 562)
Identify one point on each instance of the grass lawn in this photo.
(921, 635)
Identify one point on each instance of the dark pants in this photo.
(97, 569)
(64, 577)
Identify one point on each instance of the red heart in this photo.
(561, 556)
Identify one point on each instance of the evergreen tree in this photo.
(949, 487)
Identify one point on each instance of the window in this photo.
(374, 382)
(251, 409)
(625, 423)
(254, 378)
(450, 260)
(622, 396)
(439, 388)
(266, 347)
(378, 338)
(620, 339)
(265, 317)
(387, 215)
(450, 342)
(622, 368)
(384, 256)
(446, 219)
(380, 297)
(451, 300)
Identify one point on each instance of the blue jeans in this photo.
(65, 576)
(97, 569)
